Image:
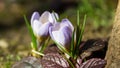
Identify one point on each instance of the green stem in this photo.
(44, 45)
(71, 64)
(36, 52)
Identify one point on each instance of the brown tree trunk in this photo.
(113, 53)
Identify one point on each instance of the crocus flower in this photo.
(41, 24)
(62, 33)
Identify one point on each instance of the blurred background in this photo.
(14, 36)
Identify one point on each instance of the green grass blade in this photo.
(31, 33)
(62, 49)
(37, 52)
(44, 45)
(78, 18)
(77, 33)
(82, 30)
(72, 46)
(77, 27)
(70, 62)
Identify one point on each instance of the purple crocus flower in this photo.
(62, 32)
(41, 24)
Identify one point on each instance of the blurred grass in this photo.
(99, 12)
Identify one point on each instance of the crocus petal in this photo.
(44, 29)
(46, 17)
(55, 27)
(61, 36)
(35, 16)
(35, 26)
(65, 36)
(66, 22)
(55, 16)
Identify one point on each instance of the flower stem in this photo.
(38, 53)
(43, 46)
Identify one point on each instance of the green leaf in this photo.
(72, 47)
(71, 64)
(37, 52)
(78, 18)
(79, 34)
(78, 31)
(62, 49)
(31, 33)
(82, 30)
(44, 45)
(78, 27)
